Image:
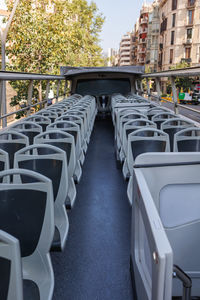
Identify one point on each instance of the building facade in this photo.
(153, 35)
(125, 50)
(179, 33)
(142, 34)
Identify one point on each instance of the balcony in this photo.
(142, 30)
(125, 43)
(187, 41)
(142, 50)
(143, 41)
(144, 21)
(190, 4)
(186, 60)
(141, 60)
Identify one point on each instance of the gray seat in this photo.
(29, 216)
(122, 121)
(155, 110)
(161, 117)
(64, 141)
(74, 130)
(40, 120)
(11, 141)
(142, 141)
(187, 140)
(49, 114)
(129, 127)
(166, 224)
(173, 126)
(29, 129)
(51, 162)
(83, 116)
(4, 161)
(11, 283)
(79, 121)
(58, 110)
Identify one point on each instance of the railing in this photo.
(172, 75)
(30, 77)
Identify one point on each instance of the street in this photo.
(184, 111)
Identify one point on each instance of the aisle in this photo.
(95, 263)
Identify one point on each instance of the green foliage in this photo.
(182, 82)
(41, 40)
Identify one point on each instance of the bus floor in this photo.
(95, 262)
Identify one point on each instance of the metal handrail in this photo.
(7, 75)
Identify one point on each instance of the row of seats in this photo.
(41, 160)
(163, 190)
(146, 128)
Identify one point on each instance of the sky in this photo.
(121, 16)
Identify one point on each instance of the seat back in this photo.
(133, 125)
(29, 129)
(49, 161)
(62, 140)
(187, 140)
(27, 202)
(155, 110)
(173, 126)
(171, 182)
(11, 141)
(161, 117)
(145, 140)
(43, 121)
(10, 268)
(49, 114)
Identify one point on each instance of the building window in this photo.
(171, 56)
(190, 17)
(191, 2)
(189, 33)
(174, 4)
(187, 53)
(173, 20)
(172, 37)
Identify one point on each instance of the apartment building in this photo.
(125, 50)
(153, 35)
(179, 33)
(142, 34)
(134, 44)
(113, 57)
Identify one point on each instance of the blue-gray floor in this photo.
(95, 263)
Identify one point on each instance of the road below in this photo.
(185, 112)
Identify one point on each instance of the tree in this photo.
(182, 82)
(46, 34)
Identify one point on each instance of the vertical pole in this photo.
(47, 92)
(3, 35)
(141, 88)
(148, 89)
(158, 88)
(30, 95)
(174, 94)
(3, 83)
(65, 88)
(57, 93)
(136, 86)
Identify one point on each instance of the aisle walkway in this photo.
(95, 263)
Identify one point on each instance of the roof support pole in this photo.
(65, 88)
(136, 86)
(158, 89)
(174, 94)
(141, 88)
(148, 88)
(47, 91)
(30, 95)
(58, 87)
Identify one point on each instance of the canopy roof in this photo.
(73, 71)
